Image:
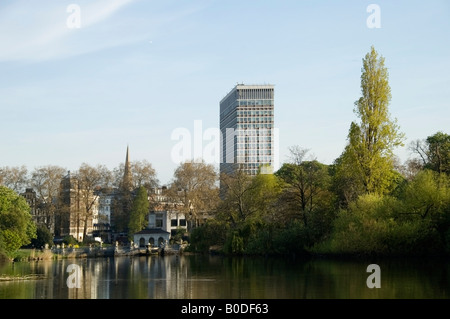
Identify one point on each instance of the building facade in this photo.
(102, 228)
(165, 220)
(164, 213)
(73, 218)
(247, 128)
(39, 211)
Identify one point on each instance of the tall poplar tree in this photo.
(369, 153)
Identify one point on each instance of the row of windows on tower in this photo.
(253, 139)
(254, 159)
(255, 102)
(259, 146)
(255, 146)
(264, 119)
(257, 132)
(255, 126)
(242, 152)
(267, 112)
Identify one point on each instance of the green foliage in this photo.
(379, 225)
(248, 200)
(90, 241)
(43, 236)
(16, 226)
(139, 212)
(438, 152)
(346, 184)
(237, 243)
(369, 152)
(11, 241)
(306, 197)
(428, 194)
(249, 204)
(262, 242)
(305, 188)
(179, 234)
(237, 238)
(427, 199)
(292, 238)
(321, 223)
(70, 240)
(212, 233)
(121, 206)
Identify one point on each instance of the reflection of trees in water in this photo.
(346, 279)
(215, 277)
(277, 278)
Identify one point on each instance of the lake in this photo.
(217, 277)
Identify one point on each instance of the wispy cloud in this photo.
(36, 31)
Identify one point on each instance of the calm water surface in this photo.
(214, 277)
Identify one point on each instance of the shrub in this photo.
(210, 234)
(43, 236)
(70, 240)
(380, 225)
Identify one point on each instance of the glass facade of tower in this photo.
(247, 127)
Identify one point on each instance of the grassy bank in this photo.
(33, 254)
(25, 254)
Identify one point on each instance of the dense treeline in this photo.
(365, 203)
(301, 209)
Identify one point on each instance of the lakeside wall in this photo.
(93, 252)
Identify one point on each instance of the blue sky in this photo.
(135, 71)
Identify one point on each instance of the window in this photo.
(182, 222)
(159, 223)
(174, 223)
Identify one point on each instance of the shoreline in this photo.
(4, 278)
(29, 255)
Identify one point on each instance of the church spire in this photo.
(127, 181)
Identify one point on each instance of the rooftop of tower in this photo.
(240, 86)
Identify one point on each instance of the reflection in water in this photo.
(213, 277)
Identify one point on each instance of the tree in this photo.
(439, 152)
(16, 225)
(46, 181)
(239, 203)
(143, 174)
(139, 212)
(434, 152)
(306, 184)
(411, 168)
(122, 202)
(43, 236)
(15, 178)
(428, 195)
(194, 186)
(117, 175)
(371, 142)
(248, 205)
(211, 233)
(345, 183)
(90, 180)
